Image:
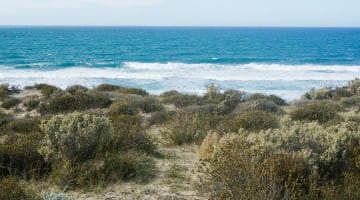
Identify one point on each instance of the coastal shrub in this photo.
(10, 103)
(75, 137)
(74, 89)
(257, 105)
(107, 87)
(257, 120)
(47, 90)
(85, 175)
(354, 118)
(120, 89)
(350, 102)
(31, 103)
(22, 159)
(183, 100)
(4, 91)
(320, 94)
(4, 119)
(123, 166)
(170, 93)
(354, 86)
(160, 117)
(341, 92)
(276, 99)
(129, 134)
(328, 93)
(77, 102)
(23, 125)
(213, 93)
(207, 109)
(208, 146)
(231, 98)
(148, 104)
(12, 189)
(129, 166)
(189, 127)
(316, 111)
(137, 91)
(122, 108)
(301, 161)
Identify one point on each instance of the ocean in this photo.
(283, 61)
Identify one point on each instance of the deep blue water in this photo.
(284, 61)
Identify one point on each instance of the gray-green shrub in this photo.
(10, 103)
(316, 111)
(259, 105)
(256, 120)
(12, 189)
(77, 102)
(296, 161)
(76, 137)
(130, 166)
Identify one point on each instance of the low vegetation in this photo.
(251, 146)
(316, 111)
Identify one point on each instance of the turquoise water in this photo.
(283, 61)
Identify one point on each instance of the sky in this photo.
(319, 13)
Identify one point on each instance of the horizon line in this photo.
(177, 26)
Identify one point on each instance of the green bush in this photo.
(31, 103)
(77, 102)
(107, 87)
(354, 86)
(170, 93)
(22, 159)
(75, 137)
(160, 117)
(320, 94)
(316, 111)
(148, 104)
(122, 108)
(350, 102)
(213, 93)
(339, 93)
(189, 127)
(257, 105)
(4, 91)
(10, 103)
(276, 99)
(11, 189)
(120, 89)
(328, 93)
(47, 90)
(257, 120)
(136, 91)
(301, 161)
(86, 175)
(4, 119)
(183, 100)
(231, 98)
(129, 134)
(113, 167)
(74, 89)
(207, 109)
(130, 166)
(354, 118)
(23, 125)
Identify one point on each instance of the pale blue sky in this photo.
(181, 12)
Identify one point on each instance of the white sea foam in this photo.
(189, 77)
(157, 71)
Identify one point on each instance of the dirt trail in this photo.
(177, 179)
